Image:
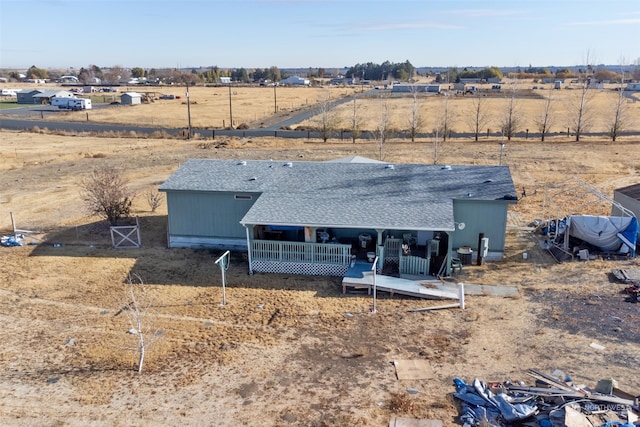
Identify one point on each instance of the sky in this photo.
(313, 33)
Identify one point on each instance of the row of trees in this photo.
(510, 121)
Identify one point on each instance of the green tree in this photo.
(137, 72)
(36, 73)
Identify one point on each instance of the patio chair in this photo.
(456, 263)
(409, 239)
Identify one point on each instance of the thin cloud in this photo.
(407, 26)
(484, 13)
(606, 22)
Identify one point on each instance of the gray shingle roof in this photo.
(365, 195)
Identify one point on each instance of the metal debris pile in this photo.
(552, 402)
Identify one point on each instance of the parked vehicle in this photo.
(75, 104)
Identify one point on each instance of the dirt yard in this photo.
(286, 350)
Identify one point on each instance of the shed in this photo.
(629, 198)
(26, 96)
(296, 81)
(271, 208)
(131, 98)
(407, 87)
(633, 87)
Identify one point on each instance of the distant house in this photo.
(69, 79)
(225, 80)
(45, 96)
(131, 98)
(312, 217)
(632, 87)
(295, 81)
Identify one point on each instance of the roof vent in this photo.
(389, 167)
(242, 163)
(253, 178)
(446, 167)
(289, 164)
(488, 181)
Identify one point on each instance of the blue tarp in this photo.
(12, 240)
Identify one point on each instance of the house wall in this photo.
(27, 97)
(207, 219)
(485, 217)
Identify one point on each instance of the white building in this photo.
(295, 80)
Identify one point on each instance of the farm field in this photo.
(255, 106)
(285, 350)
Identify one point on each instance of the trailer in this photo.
(75, 104)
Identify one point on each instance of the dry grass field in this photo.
(254, 105)
(282, 352)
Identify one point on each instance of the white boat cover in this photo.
(608, 233)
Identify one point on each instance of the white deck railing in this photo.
(300, 252)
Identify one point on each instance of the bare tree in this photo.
(618, 122)
(415, 119)
(580, 118)
(479, 117)
(438, 145)
(442, 126)
(136, 308)
(328, 120)
(383, 130)
(544, 120)
(106, 194)
(511, 115)
(115, 74)
(154, 199)
(356, 122)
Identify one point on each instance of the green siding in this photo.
(488, 217)
(207, 214)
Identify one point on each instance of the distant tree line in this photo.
(403, 71)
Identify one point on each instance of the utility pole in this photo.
(230, 110)
(188, 111)
(275, 97)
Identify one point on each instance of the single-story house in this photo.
(295, 80)
(632, 87)
(45, 96)
(131, 98)
(40, 96)
(314, 217)
(225, 80)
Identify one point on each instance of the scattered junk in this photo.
(17, 238)
(554, 400)
(12, 240)
(631, 278)
(568, 234)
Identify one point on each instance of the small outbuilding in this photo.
(629, 198)
(633, 87)
(295, 81)
(26, 96)
(131, 98)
